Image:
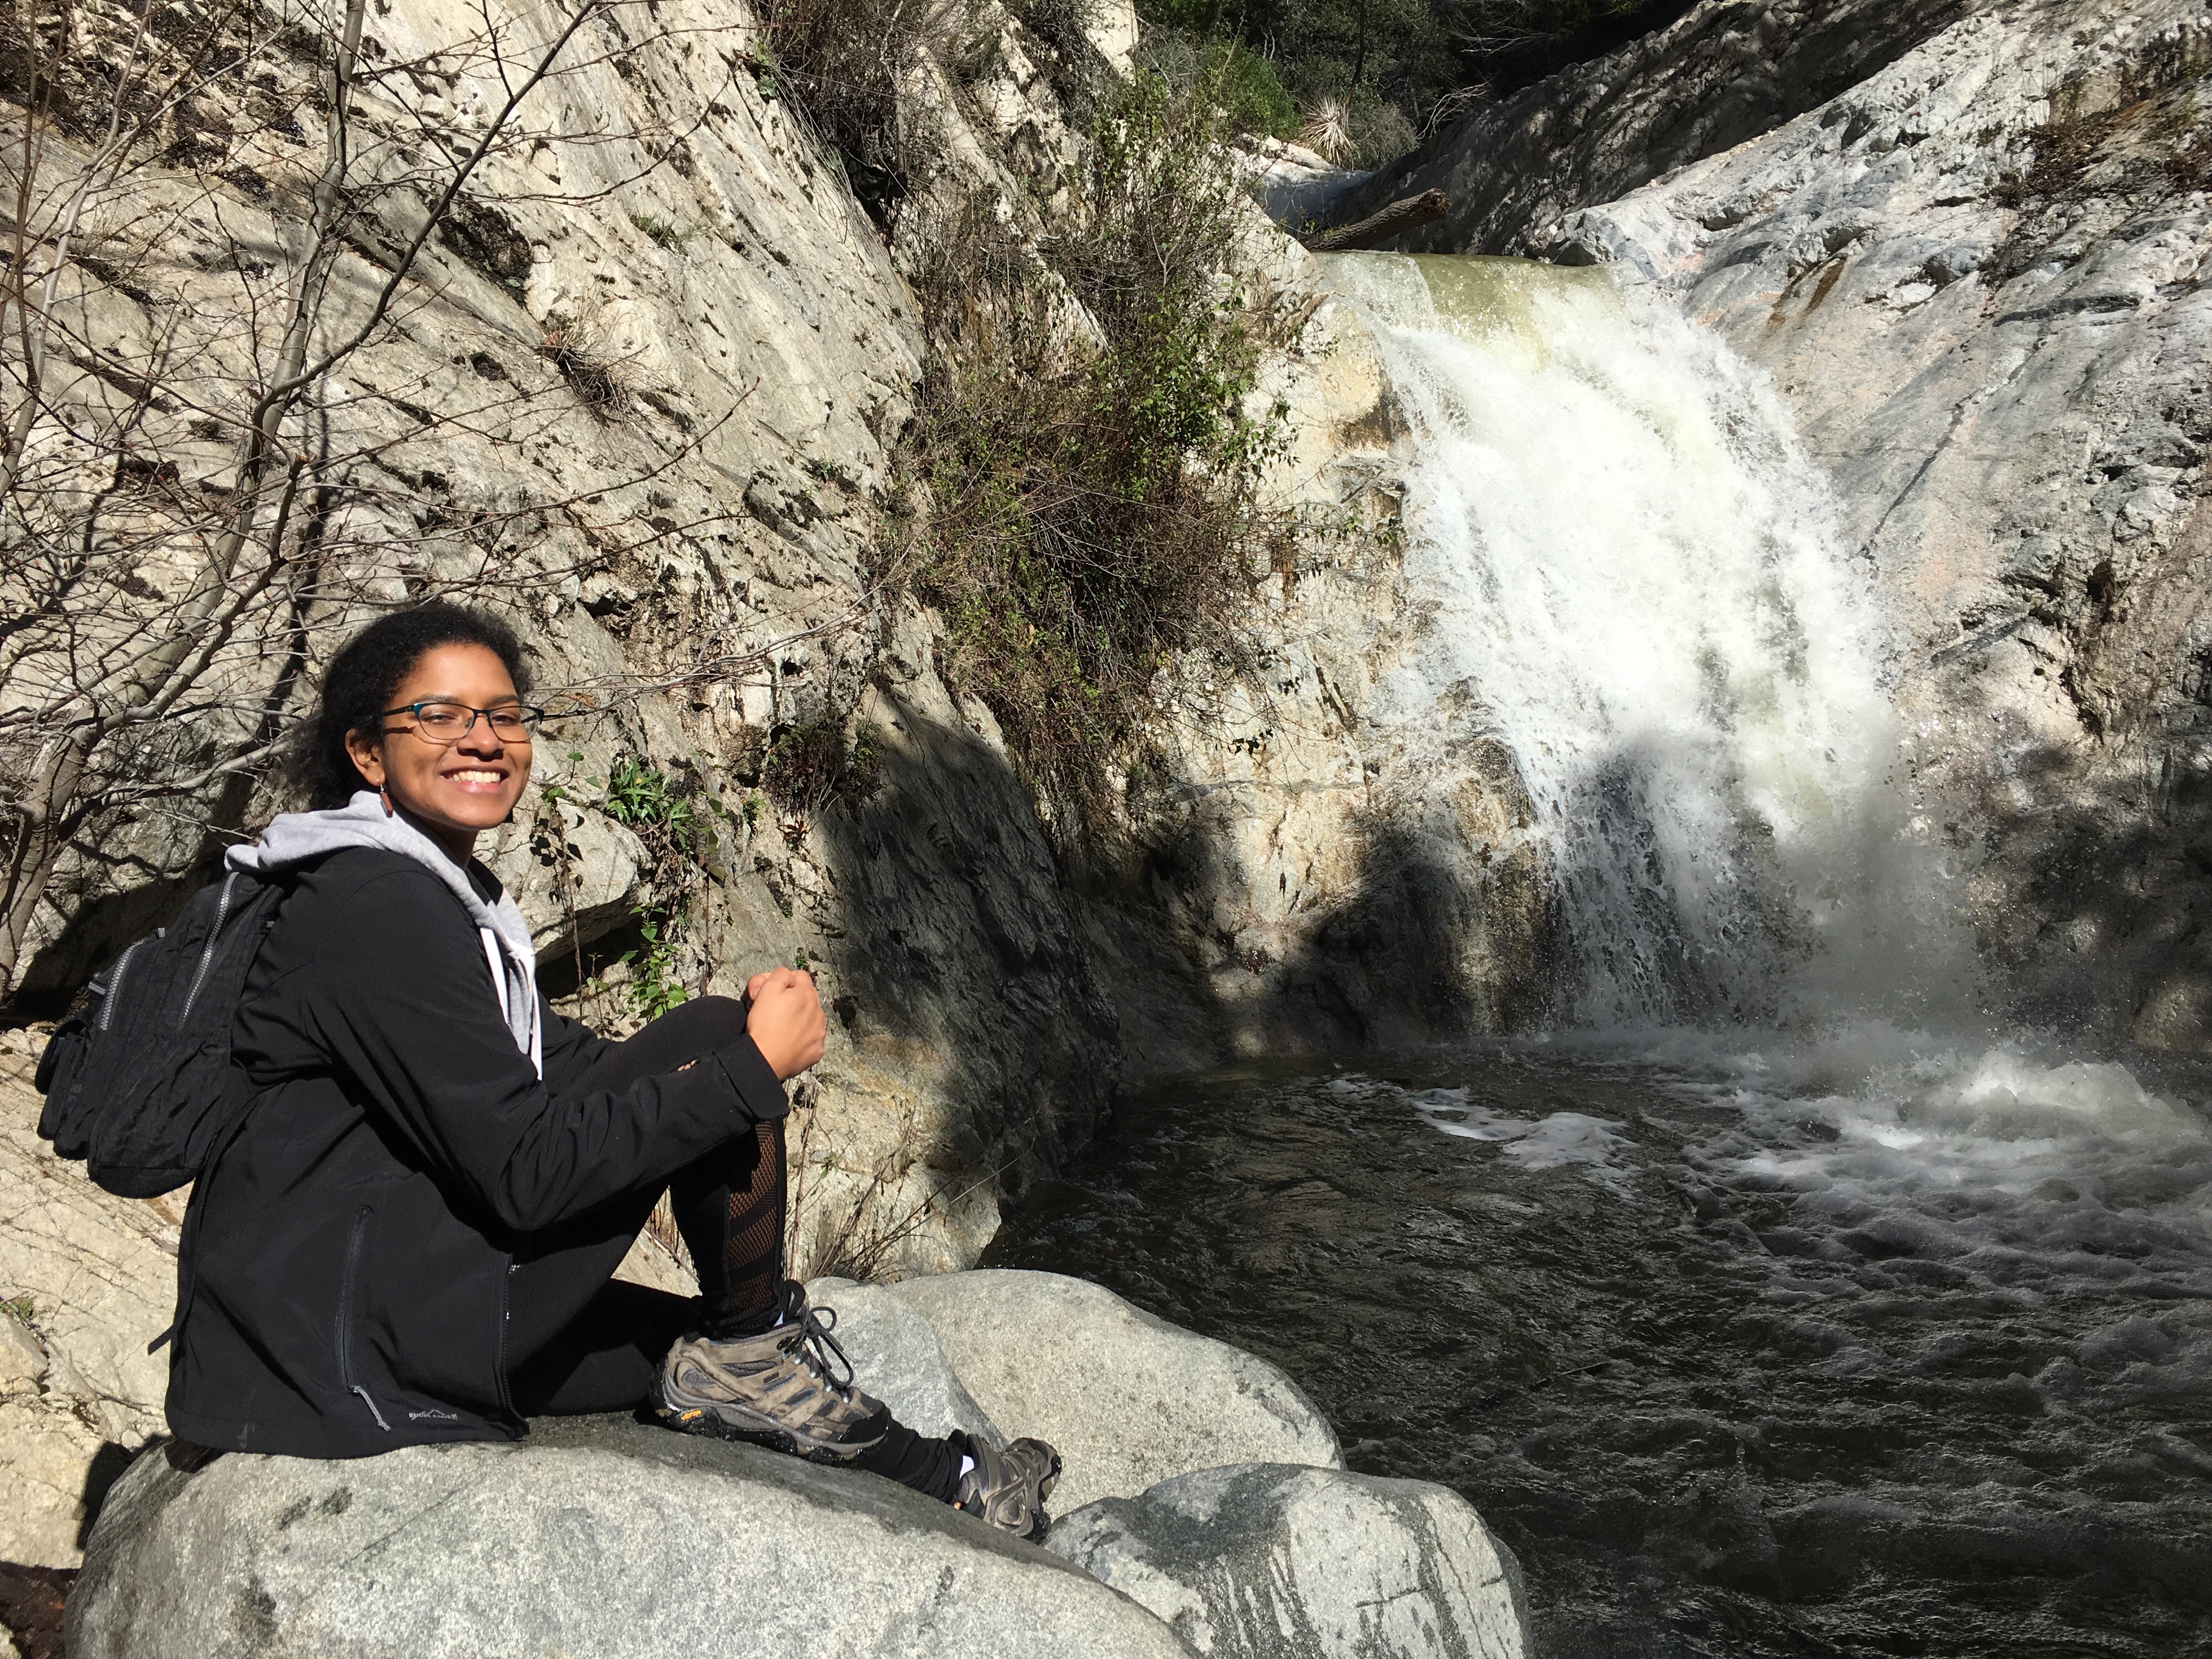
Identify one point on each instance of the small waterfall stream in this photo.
(1781, 1302)
(1631, 559)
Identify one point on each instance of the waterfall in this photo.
(1628, 556)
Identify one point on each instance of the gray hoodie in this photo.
(295, 838)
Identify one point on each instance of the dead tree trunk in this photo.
(1377, 228)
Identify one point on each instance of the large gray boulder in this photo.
(593, 1537)
(897, 1357)
(1264, 1559)
(1127, 1399)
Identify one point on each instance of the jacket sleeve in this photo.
(402, 1000)
(570, 1047)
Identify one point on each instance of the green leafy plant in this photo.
(1081, 504)
(654, 987)
(662, 810)
(1252, 96)
(669, 814)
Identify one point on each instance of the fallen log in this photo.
(1379, 228)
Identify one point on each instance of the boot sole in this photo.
(708, 1419)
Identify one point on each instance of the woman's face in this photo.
(453, 791)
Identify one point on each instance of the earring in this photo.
(385, 799)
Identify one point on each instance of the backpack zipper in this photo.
(115, 985)
(207, 952)
(345, 1316)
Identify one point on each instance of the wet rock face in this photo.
(1975, 277)
(1265, 1561)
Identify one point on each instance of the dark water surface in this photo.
(1837, 1356)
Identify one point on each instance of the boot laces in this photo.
(811, 1343)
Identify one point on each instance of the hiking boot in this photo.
(780, 1389)
(1008, 1488)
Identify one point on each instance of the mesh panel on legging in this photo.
(730, 1212)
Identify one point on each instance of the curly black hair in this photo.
(363, 678)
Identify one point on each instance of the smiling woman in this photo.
(458, 757)
(412, 1240)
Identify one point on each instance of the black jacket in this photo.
(343, 1271)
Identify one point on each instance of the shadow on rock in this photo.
(2106, 926)
(965, 964)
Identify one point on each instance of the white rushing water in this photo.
(1636, 565)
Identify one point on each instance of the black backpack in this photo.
(140, 1085)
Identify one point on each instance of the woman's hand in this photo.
(785, 1020)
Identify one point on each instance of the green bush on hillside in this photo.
(1252, 99)
(1081, 502)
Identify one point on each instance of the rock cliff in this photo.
(643, 388)
(1967, 241)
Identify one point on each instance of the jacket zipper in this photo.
(207, 953)
(506, 1394)
(345, 1316)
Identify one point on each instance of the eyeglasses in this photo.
(447, 723)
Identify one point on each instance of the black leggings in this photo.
(581, 1340)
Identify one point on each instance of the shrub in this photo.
(574, 349)
(661, 232)
(669, 815)
(658, 808)
(1252, 97)
(838, 62)
(1081, 489)
(812, 764)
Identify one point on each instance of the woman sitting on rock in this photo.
(412, 1240)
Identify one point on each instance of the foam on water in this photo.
(1546, 1143)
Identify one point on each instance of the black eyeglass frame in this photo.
(529, 714)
